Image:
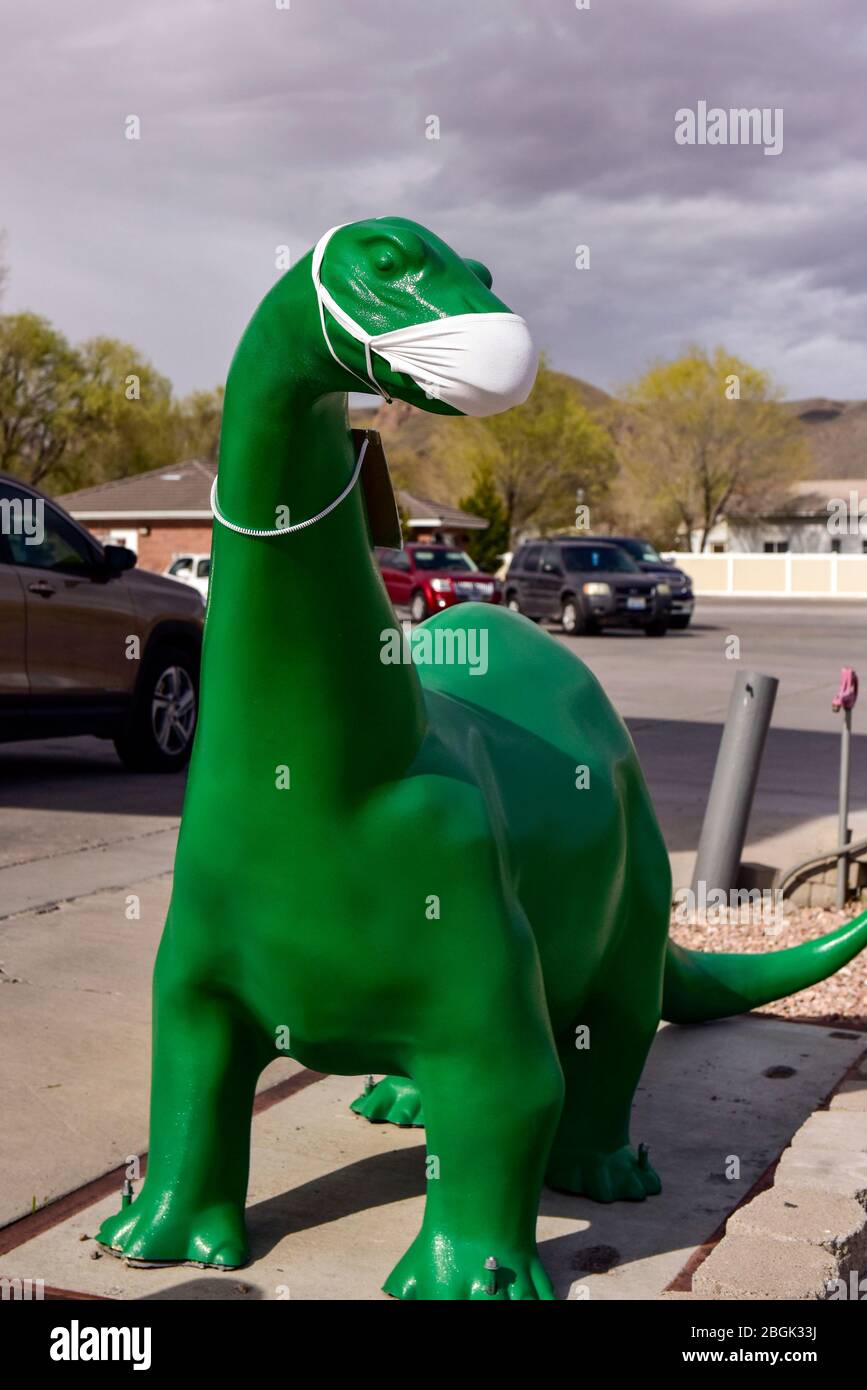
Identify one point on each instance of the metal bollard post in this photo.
(844, 701)
(724, 830)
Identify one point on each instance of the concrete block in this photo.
(836, 1223)
(831, 1129)
(852, 1095)
(746, 1266)
(823, 1171)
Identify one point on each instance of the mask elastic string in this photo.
(334, 354)
(345, 320)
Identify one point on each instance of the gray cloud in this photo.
(262, 126)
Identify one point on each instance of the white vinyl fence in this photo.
(776, 576)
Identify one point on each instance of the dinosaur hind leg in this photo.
(591, 1154)
(602, 1054)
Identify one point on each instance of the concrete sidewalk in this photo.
(75, 1040)
(334, 1200)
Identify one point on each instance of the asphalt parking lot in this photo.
(72, 821)
(674, 695)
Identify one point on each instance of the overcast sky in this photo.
(262, 126)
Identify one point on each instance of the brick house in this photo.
(159, 515)
(166, 513)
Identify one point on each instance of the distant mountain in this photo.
(427, 453)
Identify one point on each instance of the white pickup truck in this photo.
(194, 570)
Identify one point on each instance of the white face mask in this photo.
(478, 363)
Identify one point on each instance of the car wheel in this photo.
(418, 608)
(656, 629)
(681, 622)
(159, 736)
(571, 618)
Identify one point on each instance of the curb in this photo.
(804, 1237)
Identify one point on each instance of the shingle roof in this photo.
(183, 492)
(811, 497)
(179, 492)
(425, 509)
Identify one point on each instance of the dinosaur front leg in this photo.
(395, 1100)
(490, 1111)
(206, 1060)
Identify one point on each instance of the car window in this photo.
(21, 516)
(56, 544)
(393, 560)
(441, 558)
(584, 559)
(531, 559)
(182, 566)
(551, 559)
(642, 550)
(203, 570)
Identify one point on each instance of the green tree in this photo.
(484, 500)
(71, 416)
(129, 415)
(43, 414)
(701, 437)
(196, 424)
(543, 453)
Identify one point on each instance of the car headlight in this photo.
(663, 589)
(441, 586)
(597, 589)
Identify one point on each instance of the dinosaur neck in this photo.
(292, 672)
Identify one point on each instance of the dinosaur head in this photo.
(409, 317)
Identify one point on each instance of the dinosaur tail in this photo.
(701, 985)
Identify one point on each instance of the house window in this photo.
(836, 545)
(717, 547)
(775, 547)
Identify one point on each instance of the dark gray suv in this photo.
(586, 586)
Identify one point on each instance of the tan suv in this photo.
(88, 644)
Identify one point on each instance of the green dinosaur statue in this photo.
(389, 867)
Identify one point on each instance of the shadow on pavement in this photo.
(83, 774)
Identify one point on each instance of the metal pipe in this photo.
(721, 843)
(844, 834)
(819, 861)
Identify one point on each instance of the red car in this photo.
(426, 578)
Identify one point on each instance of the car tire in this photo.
(572, 620)
(418, 609)
(680, 623)
(657, 629)
(159, 734)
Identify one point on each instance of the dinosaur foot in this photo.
(623, 1175)
(392, 1101)
(155, 1233)
(438, 1267)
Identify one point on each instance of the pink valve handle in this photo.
(848, 692)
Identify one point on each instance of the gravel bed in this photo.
(840, 1000)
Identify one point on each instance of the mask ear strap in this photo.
(325, 299)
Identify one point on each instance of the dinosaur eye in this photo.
(385, 259)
